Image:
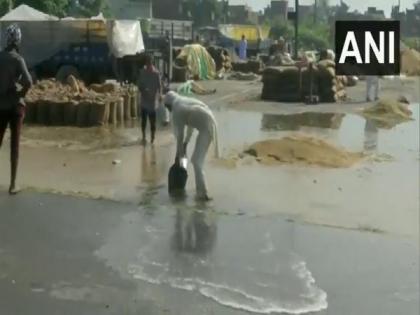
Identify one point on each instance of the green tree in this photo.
(88, 8)
(55, 7)
(5, 6)
(281, 28)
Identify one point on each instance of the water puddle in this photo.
(353, 132)
(244, 264)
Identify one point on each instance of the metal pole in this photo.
(296, 28)
(315, 11)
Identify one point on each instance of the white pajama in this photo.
(193, 114)
(372, 82)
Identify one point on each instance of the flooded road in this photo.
(79, 256)
(363, 197)
(277, 239)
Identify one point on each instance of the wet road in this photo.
(287, 238)
(63, 255)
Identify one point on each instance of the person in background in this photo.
(243, 47)
(15, 81)
(150, 87)
(372, 82)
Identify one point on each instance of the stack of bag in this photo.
(293, 83)
(288, 84)
(52, 103)
(253, 66)
(331, 86)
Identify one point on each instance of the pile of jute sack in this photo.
(250, 66)
(221, 58)
(52, 103)
(295, 83)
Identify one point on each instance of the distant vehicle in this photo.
(79, 47)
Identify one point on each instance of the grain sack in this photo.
(98, 114)
(104, 88)
(113, 105)
(254, 66)
(43, 113)
(179, 74)
(120, 109)
(30, 112)
(56, 114)
(133, 103)
(70, 113)
(127, 105)
(82, 118)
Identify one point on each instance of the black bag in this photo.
(177, 179)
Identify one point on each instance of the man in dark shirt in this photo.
(150, 88)
(15, 81)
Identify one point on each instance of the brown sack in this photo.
(82, 119)
(70, 113)
(57, 114)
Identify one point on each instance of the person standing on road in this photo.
(243, 47)
(193, 114)
(150, 87)
(372, 82)
(15, 81)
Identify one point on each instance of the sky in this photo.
(360, 5)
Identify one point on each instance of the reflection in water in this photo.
(294, 122)
(195, 232)
(241, 268)
(149, 167)
(371, 136)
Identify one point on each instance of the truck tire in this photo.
(65, 71)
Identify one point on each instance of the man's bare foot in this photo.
(14, 190)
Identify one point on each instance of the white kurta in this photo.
(193, 114)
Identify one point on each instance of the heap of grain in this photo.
(410, 62)
(388, 113)
(294, 83)
(302, 149)
(50, 102)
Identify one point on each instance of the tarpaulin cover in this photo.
(125, 38)
(199, 62)
(251, 32)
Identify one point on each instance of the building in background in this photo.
(242, 14)
(410, 20)
(372, 13)
(277, 10)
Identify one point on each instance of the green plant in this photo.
(280, 28)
